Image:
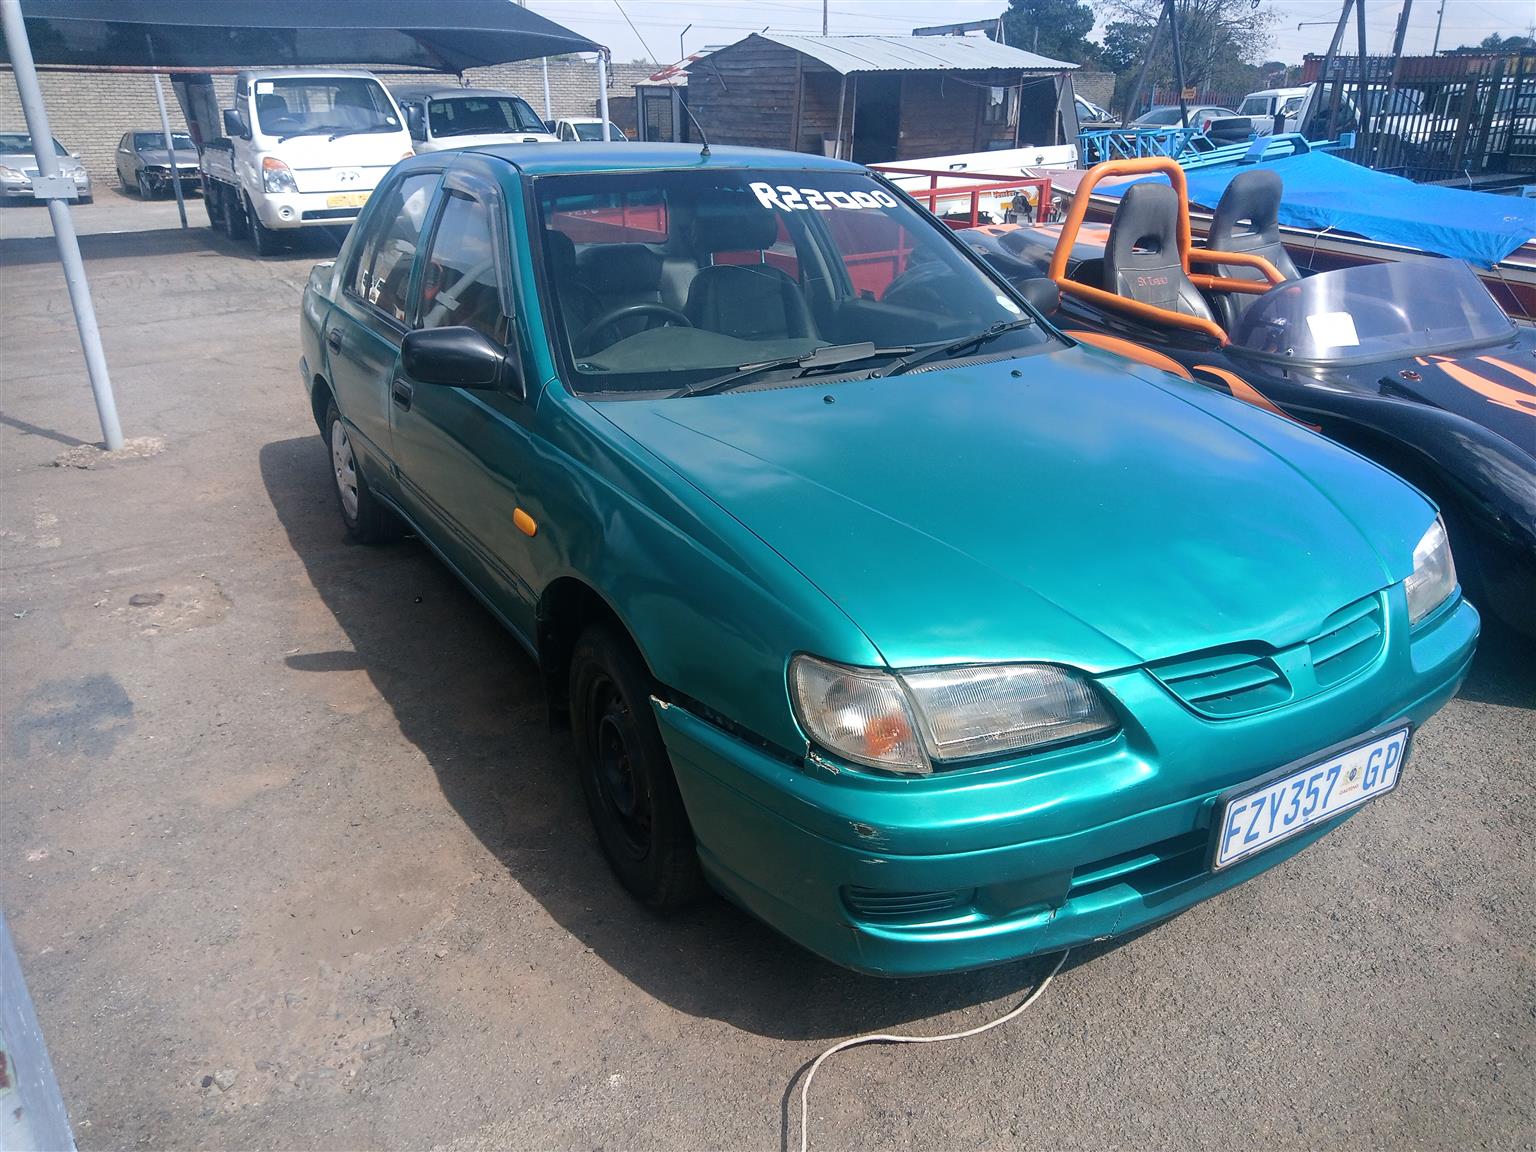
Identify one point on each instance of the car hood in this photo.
(1084, 511)
(489, 138)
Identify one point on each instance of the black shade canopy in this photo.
(445, 35)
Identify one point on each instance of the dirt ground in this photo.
(292, 860)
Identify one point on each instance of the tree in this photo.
(1055, 28)
(1222, 41)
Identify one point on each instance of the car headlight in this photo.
(276, 176)
(905, 722)
(1434, 573)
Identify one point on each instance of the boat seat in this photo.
(748, 301)
(1248, 220)
(1141, 257)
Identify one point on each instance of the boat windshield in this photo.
(1372, 312)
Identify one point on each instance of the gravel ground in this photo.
(292, 860)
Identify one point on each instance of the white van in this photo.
(1261, 108)
(447, 117)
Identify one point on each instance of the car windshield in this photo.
(179, 140)
(592, 131)
(1372, 312)
(482, 115)
(12, 143)
(310, 105)
(665, 281)
(1256, 106)
(1161, 116)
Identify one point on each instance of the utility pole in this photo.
(1439, 19)
(823, 17)
(682, 55)
(58, 190)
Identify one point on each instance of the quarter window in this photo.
(459, 285)
(382, 274)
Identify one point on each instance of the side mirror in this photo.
(415, 122)
(234, 123)
(1041, 292)
(460, 357)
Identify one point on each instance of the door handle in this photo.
(401, 392)
(333, 339)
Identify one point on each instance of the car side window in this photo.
(381, 276)
(459, 285)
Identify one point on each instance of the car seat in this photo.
(617, 275)
(748, 301)
(1141, 257)
(1248, 220)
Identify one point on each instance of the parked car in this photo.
(1262, 107)
(1201, 116)
(18, 167)
(574, 129)
(1091, 117)
(448, 117)
(927, 634)
(144, 166)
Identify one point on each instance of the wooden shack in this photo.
(876, 99)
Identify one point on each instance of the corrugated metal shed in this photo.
(849, 54)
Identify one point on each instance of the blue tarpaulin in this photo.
(1323, 191)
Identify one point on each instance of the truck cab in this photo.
(302, 148)
(447, 117)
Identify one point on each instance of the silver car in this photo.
(18, 167)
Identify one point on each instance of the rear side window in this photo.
(381, 277)
(459, 286)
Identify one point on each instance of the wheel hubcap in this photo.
(618, 782)
(345, 466)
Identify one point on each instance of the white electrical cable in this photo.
(890, 1038)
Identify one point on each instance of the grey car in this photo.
(1201, 116)
(18, 167)
(143, 165)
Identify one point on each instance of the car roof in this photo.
(542, 160)
(447, 91)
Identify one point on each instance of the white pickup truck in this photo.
(301, 149)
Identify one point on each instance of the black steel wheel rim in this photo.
(616, 760)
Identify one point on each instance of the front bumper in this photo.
(20, 184)
(908, 877)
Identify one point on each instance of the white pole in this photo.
(602, 89)
(58, 194)
(549, 108)
(170, 152)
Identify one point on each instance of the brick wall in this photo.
(89, 112)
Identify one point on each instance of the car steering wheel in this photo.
(611, 317)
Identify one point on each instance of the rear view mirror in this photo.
(459, 357)
(1041, 292)
(234, 123)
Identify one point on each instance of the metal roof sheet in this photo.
(848, 54)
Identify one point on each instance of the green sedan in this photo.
(929, 636)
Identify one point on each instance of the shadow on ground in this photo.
(469, 698)
(150, 243)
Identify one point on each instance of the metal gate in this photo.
(1468, 120)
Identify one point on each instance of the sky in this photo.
(658, 23)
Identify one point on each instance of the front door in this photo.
(464, 454)
(362, 332)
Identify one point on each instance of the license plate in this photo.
(1261, 816)
(347, 200)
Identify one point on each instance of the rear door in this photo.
(362, 333)
(465, 455)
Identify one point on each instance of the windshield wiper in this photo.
(827, 356)
(992, 332)
(356, 131)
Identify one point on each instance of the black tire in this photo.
(142, 187)
(626, 776)
(232, 213)
(266, 241)
(210, 207)
(366, 520)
